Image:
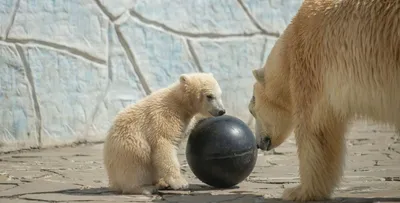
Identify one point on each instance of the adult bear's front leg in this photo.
(321, 150)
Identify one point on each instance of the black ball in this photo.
(221, 151)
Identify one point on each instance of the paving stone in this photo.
(76, 174)
(81, 196)
(208, 198)
(6, 186)
(18, 201)
(36, 187)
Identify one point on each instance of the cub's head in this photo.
(273, 120)
(204, 93)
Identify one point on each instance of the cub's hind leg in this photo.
(137, 179)
(128, 164)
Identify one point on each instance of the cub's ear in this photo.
(184, 78)
(259, 74)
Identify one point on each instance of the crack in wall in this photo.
(105, 11)
(210, 35)
(254, 21)
(132, 59)
(52, 45)
(14, 13)
(104, 94)
(194, 55)
(29, 75)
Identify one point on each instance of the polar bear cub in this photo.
(140, 150)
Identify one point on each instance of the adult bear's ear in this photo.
(259, 74)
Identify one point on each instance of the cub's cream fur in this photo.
(337, 60)
(140, 150)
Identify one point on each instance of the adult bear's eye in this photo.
(210, 96)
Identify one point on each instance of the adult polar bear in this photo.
(336, 60)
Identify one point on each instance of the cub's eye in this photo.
(210, 96)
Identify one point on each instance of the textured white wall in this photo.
(68, 66)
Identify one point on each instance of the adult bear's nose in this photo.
(267, 142)
(221, 112)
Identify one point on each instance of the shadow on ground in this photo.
(106, 191)
(197, 193)
(203, 194)
(250, 198)
(365, 200)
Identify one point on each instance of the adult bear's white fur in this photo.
(336, 60)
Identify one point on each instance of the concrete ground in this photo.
(76, 174)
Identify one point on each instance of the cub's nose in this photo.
(221, 112)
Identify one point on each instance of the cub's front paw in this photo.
(161, 184)
(299, 194)
(177, 183)
(149, 190)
